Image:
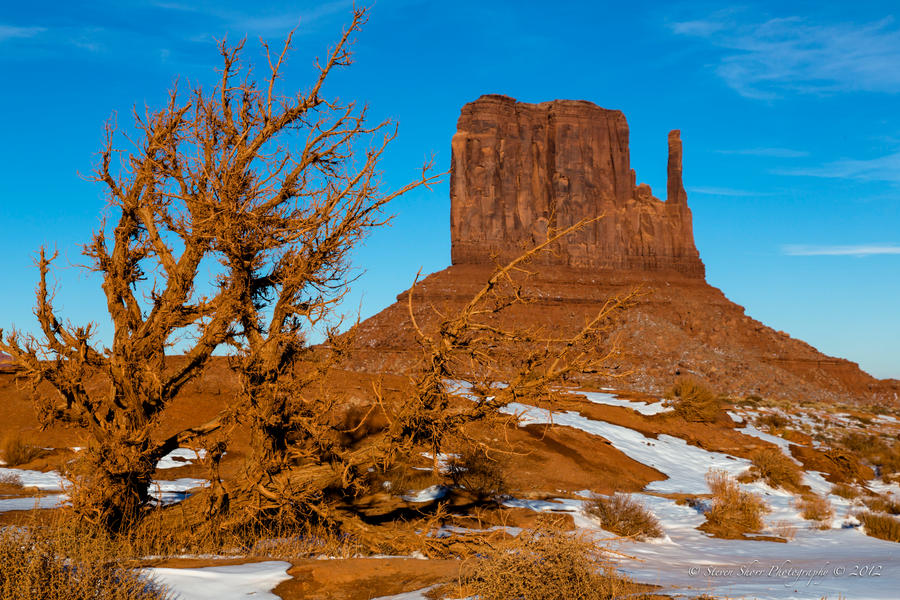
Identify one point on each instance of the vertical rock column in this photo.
(675, 193)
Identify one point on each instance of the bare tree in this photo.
(274, 189)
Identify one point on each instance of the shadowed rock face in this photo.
(519, 169)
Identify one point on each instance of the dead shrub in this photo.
(860, 443)
(480, 474)
(624, 515)
(34, 567)
(733, 511)
(882, 504)
(845, 491)
(847, 465)
(816, 508)
(772, 421)
(875, 450)
(10, 484)
(19, 451)
(883, 527)
(777, 469)
(785, 529)
(187, 529)
(889, 462)
(544, 564)
(694, 402)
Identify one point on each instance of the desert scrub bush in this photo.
(884, 527)
(882, 504)
(694, 402)
(777, 469)
(845, 491)
(18, 451)
(32, 567)
(733, 510)
(878, 451)
(785, 529)
(818, 509)
(544, 564)
(480, 474)
(772, 421)
(10, 483)
(860, 443)
(624, 515)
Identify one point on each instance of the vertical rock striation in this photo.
(521, 169)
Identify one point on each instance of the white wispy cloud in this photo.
(771, 152)
(860, 250)
(719, 191)
(880, 168)
(257, 21)
(766, 59)
(8, 32)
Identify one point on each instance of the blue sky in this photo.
(788, 112)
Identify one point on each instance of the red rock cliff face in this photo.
(519, 169)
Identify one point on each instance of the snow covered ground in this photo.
(50, 480)
(642, 407)
(429, 494)
(180, 457)
(840, 561)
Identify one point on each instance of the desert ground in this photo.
(593, 445)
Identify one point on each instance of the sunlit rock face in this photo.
(520, 169)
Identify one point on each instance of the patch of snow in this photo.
(50, 480)
(233, 582)
(434, 492)
(557, 505)
(683, 464)
(414, 595)
(442, 461)
(879, 486)
(782, 443)
(170, 492)
(180, 457)
(31, 503)
(642, 407)
(166, 492)
(449, 530)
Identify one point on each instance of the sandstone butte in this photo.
(519, 169)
